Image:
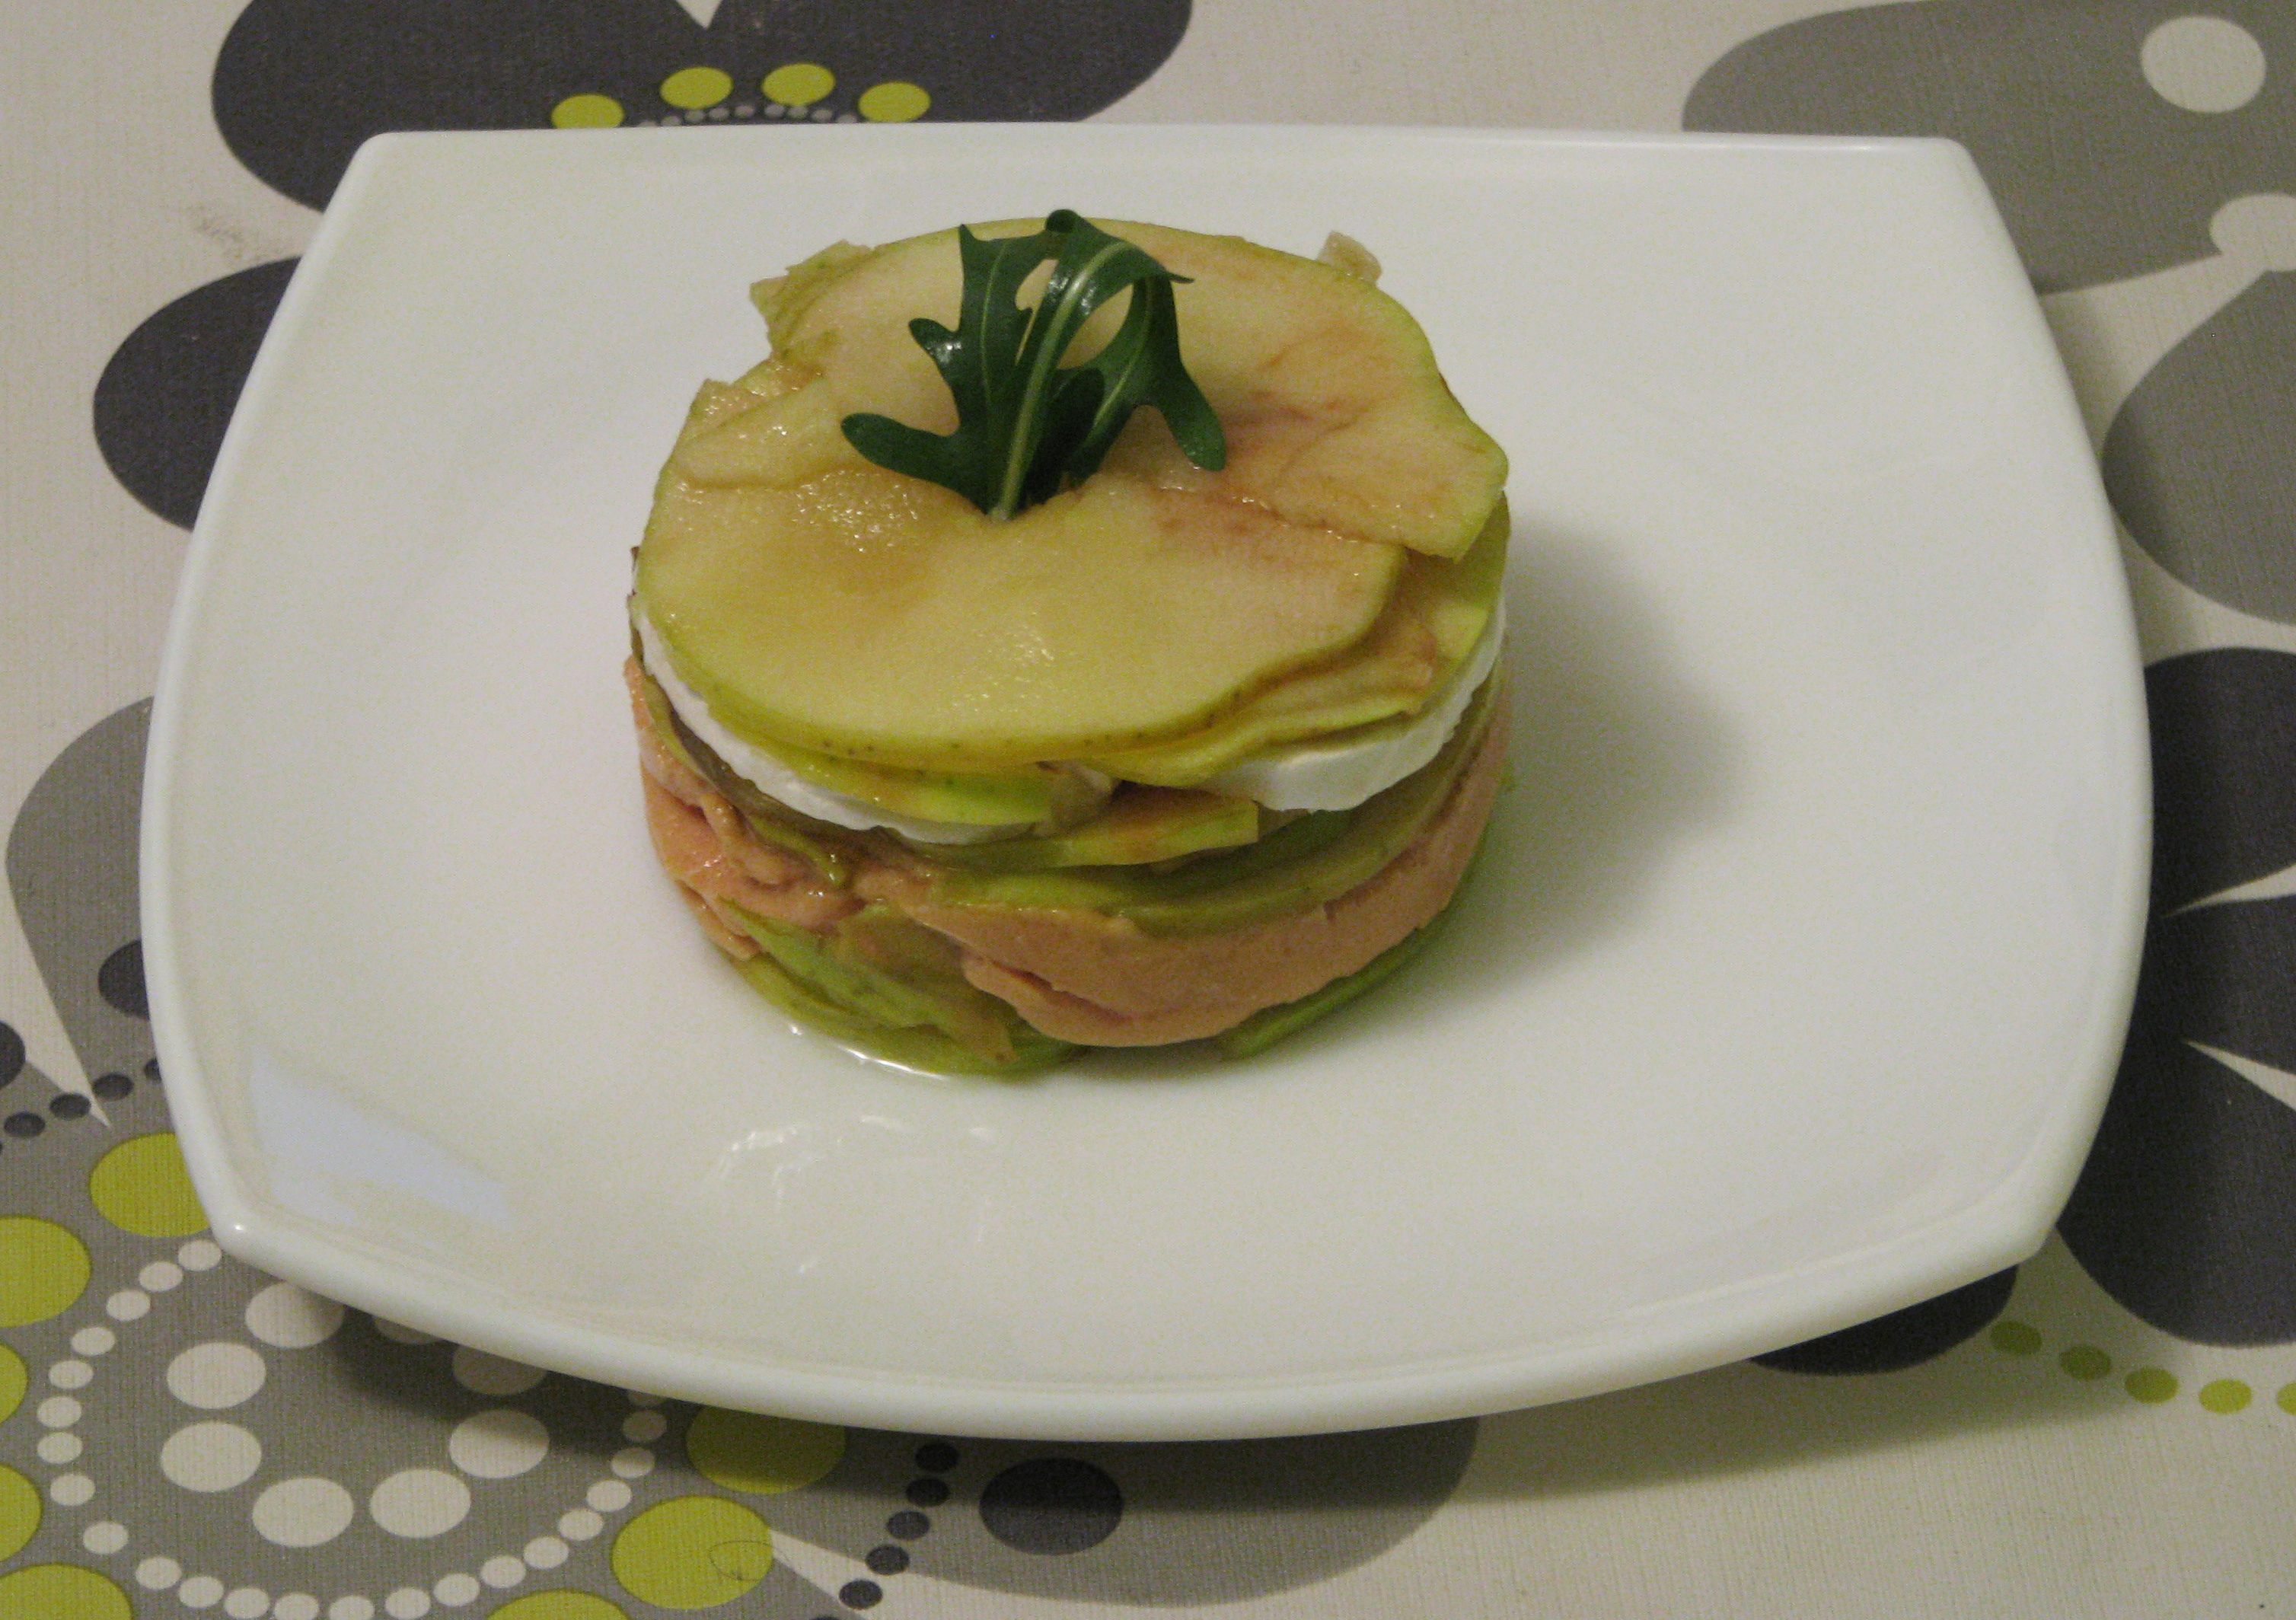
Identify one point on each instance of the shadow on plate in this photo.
(1617, 756)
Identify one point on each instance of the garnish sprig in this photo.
(1027, 425)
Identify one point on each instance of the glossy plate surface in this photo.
(1787, 992)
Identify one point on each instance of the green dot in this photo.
(19, 1511)
(800, 84)
(43, 1269)
(692, 88)
(13, 1381)
(2287, 1399)
(2085, 1363)
(2224, 1395)
(693, 1552)
(2014, 1338)
(563, 1604)
(141, 1186)
(62, 1591)
(587, 113)
(893, 103)
(745, 1450)
(2151, 1384)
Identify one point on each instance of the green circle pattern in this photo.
(561, 1603)
(142, 1187)
(19, 1512)
(2014, 1338)
(62, 1591)
(588, 110)
(43, 1268)
(759, 1454)
(693, 1552)
(14, 1379)
(2152, 1385)
(2225, 1396)
(695, 88)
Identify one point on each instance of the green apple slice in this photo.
(1140, 827)
(1335, 414)
(1430, 626)
(778, 441)
(876, 618)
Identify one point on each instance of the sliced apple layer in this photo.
(1330, 577)
(1428, 628)
(1334, 411)
(870, 615)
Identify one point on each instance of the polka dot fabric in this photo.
(181, 1435)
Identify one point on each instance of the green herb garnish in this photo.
(1027, 426)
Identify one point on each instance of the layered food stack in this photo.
(985, 716)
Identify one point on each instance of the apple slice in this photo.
(1334, 413)
(877, 618)
(1429, 626)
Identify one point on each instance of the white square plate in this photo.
(1787, 992)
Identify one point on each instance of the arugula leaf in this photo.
(1027, 426)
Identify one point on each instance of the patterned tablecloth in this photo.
(2108, 1429)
